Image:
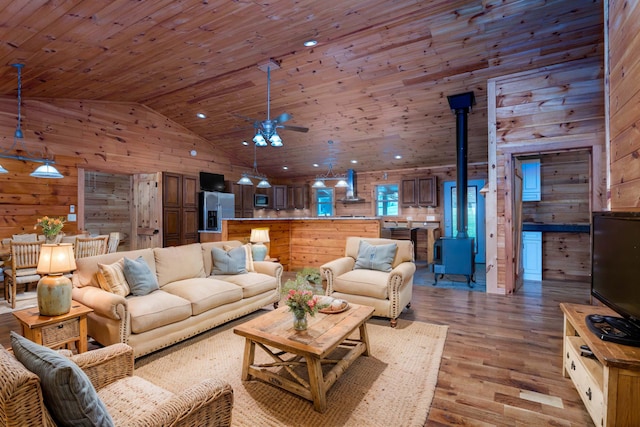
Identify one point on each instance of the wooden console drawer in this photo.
(586, 374)
(60, 333)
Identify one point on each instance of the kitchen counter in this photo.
(310, 218)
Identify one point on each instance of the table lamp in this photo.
(258, 237)
(54, 289)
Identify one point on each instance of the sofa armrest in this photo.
(335, 268)
(267, 267)
(400, 275)
(106, 365)
(207, 403)
(102, 302)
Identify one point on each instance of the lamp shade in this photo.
(56, 259)
(259, 235)
(46, 171)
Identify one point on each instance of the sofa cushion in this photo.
(248, 254)
(139, 276)
(375, 257)
(156, 309)
(86, 273)
(233, 261)
(370, 283)
(111, 278)
(251, 283)
(178, 262)
(67, 391)
(205, 294)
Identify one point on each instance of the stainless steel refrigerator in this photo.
(214, 207)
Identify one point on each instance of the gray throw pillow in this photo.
(232, 262)
(67, 391)
(371, 257)
(139, 276)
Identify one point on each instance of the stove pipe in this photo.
(461, 105)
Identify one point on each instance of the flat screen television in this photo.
(211, 182)
(615, 275)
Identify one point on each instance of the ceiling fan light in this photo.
(318, 184)
(342, 184)
(46, 171)
(245, 180)
(263, 184)
(275, 140)
(259, 140)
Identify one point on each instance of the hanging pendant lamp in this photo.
(44, 171)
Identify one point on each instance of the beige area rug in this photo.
(392, 387)
(23, 300)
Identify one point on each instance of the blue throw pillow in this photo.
(371, 257)
(67, 391)
(232, 262)
(139, 276)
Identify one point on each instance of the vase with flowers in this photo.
(51, 228)
(299, 297)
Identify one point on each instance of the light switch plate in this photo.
(71, 217)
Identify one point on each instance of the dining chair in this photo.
(25, 237)
(22, 271)
(114, 241)
(90, 246)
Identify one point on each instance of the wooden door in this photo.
(146, 218)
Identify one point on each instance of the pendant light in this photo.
(44, 171)
(246, 176)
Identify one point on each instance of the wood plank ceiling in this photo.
(375, 85)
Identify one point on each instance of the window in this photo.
(324, 201)
(387, 200)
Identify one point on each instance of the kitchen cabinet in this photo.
(279, 197)
(179, 209)
(418, 192)
(243, 199)
(298, 197)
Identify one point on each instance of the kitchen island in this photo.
(303, 242)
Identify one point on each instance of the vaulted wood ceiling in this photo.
(376, 83)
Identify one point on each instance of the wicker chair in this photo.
(114, 241)
(24, 260)
(90, 246)
(129, 399)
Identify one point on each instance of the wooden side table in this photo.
(56, 331)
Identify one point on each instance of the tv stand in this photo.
(614, 329)
(609, 382)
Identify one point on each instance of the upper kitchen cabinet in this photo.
(279, 196)
(243, 199)
(419, 192)
(180, 209)
(298, 197)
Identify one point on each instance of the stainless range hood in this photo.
(352, 188)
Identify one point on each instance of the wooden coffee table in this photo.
(274, 334)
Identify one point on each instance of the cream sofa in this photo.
(388, 292)
(190, 300)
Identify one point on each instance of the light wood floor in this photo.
(502, 362)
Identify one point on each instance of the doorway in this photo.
(475, 213)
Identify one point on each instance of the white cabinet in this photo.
(532, 255)
(531, 180)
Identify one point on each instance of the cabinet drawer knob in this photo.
(589, 393)
(573, 366)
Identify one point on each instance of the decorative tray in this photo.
(330, 310)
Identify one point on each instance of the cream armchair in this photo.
(388, 292)
(130, 400)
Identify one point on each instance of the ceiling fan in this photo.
(267, 130)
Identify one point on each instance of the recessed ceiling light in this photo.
(245, 143)
(398, 156)
(310, 43)
(315, 165)
(285, 167)
(201, 115)
(354, 161)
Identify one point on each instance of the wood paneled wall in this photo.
(623, 37)
(565, 194)
(552, 109)
(97, 136)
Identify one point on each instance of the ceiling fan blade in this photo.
(295, 128)
(282, 118)
(240, 116)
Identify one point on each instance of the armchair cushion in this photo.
(68, 393)
(378, 257)
(369, 283)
